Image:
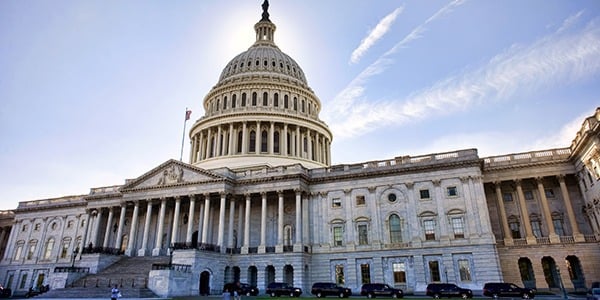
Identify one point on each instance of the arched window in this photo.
(286, 101)
(218, 104)
(49, 247)
(252, 145)
(239, 142)
(276, 100)
(263, 141)
(276, 142)
(295, 104)
(395, 229)
(265, 99)
(254, 99)
(225, 103)
(233, 101)
(287, 235)
(243, 99)
(303, 105)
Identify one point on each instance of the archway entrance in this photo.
(549, 266)
(527, 274)
(575, 272)
(204, 283)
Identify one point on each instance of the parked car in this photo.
(593, 294)
(241, 288)
(322, 289)
(501, 289)
(276, 289)
(437, 290)
(372, 290)
(5, 292)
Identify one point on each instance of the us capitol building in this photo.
(259, 201)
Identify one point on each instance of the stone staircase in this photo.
(130, 274)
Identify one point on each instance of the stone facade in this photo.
(259, 202)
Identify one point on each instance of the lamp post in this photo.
(170, 257)
(562, 286)
(75, 251)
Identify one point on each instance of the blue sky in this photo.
(94, 92)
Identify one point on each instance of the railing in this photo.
(71, 270)
(102, 250)
(527, 157)
(567, 239)
(110, 282)
(590, 238)
(174, 267)
(546, 241)
(543, 240)
(288, 248)
(520, 242)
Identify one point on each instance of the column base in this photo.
(298, 248)
(554, 238)
(262, 249)
(244, 249)
(579, 237)
(509, 242)
(156, 252)
(531, 240)
(142, 252)
(129, 252)
(278, 248)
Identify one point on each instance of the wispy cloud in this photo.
(556, 59)
(374, 35)
(354, 91)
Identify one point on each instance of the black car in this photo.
(5, 292)
(437, 290)
(502, 289)
(322, 289)
(276, 289)
(372, 290)
(241, 288)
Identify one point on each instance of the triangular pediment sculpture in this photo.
(170, 173)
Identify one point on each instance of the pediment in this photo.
(170, 173)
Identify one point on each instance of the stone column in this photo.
(569, 207)
(161, 223)
(221, 231)
(97, 220)
(263, 223)
(258, 141)
(86, 231)
(206, 218)
(546, 210)
(244, 138)
(188, 236)
(238, 236)
(219, 141)
(309, 154)
(121, 225)
(10, 244)
(298, 147)
(525, 213)
(231, 148)
(503, 219)
(175, 226)
(134, 220)
(231, 218)
(201, 150)
(108, 227)
(284, 147)
(272, 138)
(247, 225)
(299, 220)
(280, 220)
(147, 220)
(200, 221)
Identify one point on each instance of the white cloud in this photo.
(557, 59)
(374, 35)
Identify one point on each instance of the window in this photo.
(360, 200)
(64, 249)
(276, 142)
(363, 234)
(49, 247)
(336, 202)
(464, 269)
(399, 270)
(515, 229)
(70, 224)
(434, 271)
(337, 236)
(536, 227)
(392, 197)
(549, 193)
(365, 273)
(287, 235)
(339, 275)
(424, 194)
(458, 226)
(37, 227)
(252, 145)
(528, 195)
(31, 251)
(243, 99)
(276, 100)
(451, 191)
(286, 100)
(18, 252)
(507, 197)
(558, 226)
(265, 99)
(395, 229)
(254, 99)
(429, 227)
(23, 281)
(263, 141)
(233, 101)
(225, 102)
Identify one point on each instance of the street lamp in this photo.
(170, 257)
(75, 251)
(562, 286)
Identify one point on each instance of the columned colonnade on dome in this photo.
(175, 217)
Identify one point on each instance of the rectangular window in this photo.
(65, 248)
(451, 191)
(365, 273)
(23, 281)
(399, 270)
(558, 227)
(429, 226)
(337, 236)
(336, 202)
(528, 195)
(536, 227)
(458, 226)
(18, 252)
(434, 271)
(515, 230)
(507, 197)
(31, 252)
(549, 193)
(464, 270)
(363, 234)
(424, 194)
(360, 200)
(37, 226)
(339, 274)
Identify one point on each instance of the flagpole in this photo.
(187, 116)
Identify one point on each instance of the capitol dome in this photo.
(261, 112)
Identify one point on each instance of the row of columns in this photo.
(217, 141)
(547, 215)
(204, 224)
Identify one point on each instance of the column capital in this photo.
(465, 179)
(562, 177)
(347, 191)
(192, 197)
(436, 182)
(539, 180)
(518, 181)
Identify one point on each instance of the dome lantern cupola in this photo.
(261, 112)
